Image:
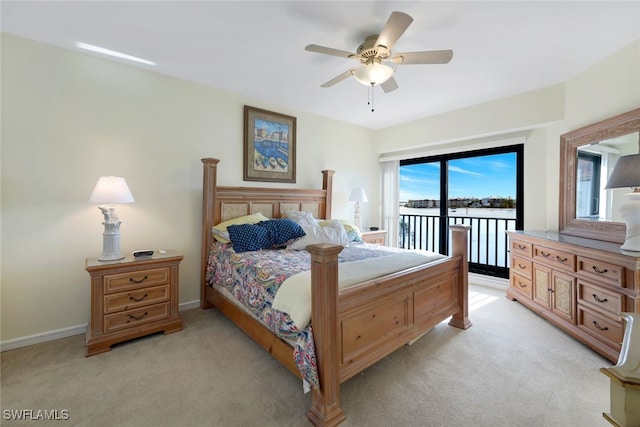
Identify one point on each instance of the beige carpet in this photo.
(510, 369)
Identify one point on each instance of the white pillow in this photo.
(333, 232)
(301, 217)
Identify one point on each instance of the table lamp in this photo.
(110, 190)
(358, 195)
(626, 173)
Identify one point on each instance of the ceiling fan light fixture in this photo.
(373, 73)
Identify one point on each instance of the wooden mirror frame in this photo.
(610, 231)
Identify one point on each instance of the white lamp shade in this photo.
(111, 189)
(358, 195)
(374, 73)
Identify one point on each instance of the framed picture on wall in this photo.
(269, 146)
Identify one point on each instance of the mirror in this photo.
(587, 156)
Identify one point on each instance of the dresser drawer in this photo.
(600, 326)
(602, 271)
(596, 296)
(135, 298)
(136, 279)
(521, 248)
(522, 284)
(131, 318)
(522, 266)
(555, 257)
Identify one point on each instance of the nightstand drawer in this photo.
(600, 326)
(135, 279)
(377, 237)
(135, 298)
(132, 318)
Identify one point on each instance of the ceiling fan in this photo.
(375, 55)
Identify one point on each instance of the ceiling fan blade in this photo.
(426, 57)
(329, 51)
(390, 85)
(396, 26)
(339, 78)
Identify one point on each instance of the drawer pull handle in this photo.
(522, 267)
(522, 285)
(544, 254)
(131, 279)
(597, 298)
(561, 259)
(522, 247)
(606, 328)
(132, 298)
(134, 317)
(597, 270)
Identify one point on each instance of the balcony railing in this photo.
(488, 245)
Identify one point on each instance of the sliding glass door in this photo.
(481, 188)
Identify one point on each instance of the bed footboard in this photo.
(354, 329)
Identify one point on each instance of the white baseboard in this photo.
(66, 332)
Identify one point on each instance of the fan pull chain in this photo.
(372, 104)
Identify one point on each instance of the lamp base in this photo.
(111, 238)
(357, 216)
(630, 212)
(110, 257)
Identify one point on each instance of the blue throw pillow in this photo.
(282, 231)
(249, 237)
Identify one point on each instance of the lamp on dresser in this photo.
(108, 191)
(626, 173)
(358, 195)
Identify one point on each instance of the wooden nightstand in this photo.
(131, 298)
(378, 237)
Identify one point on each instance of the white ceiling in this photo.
(257, 48)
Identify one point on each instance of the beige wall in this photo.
(68, 118)
(608, 88)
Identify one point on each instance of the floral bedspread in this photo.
(253, 278)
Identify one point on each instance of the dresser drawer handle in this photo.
(597, 270)
(522, 267)
(134, 317)
(561, 259)
(131, 279)
(595, 297)
(522, 285)
(606, 328)
(522, 247)
(132, 298)
(544, 254)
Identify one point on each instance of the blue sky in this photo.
(485, 176)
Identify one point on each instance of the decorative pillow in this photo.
(332, 232)
(220, 231)
(301, 217)
(282, 231)
(354, 233)
(249, 237)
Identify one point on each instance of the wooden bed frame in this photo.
(353, 328)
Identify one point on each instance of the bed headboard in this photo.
(222, 203)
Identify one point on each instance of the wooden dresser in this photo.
(131, 298)
(580, 285)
